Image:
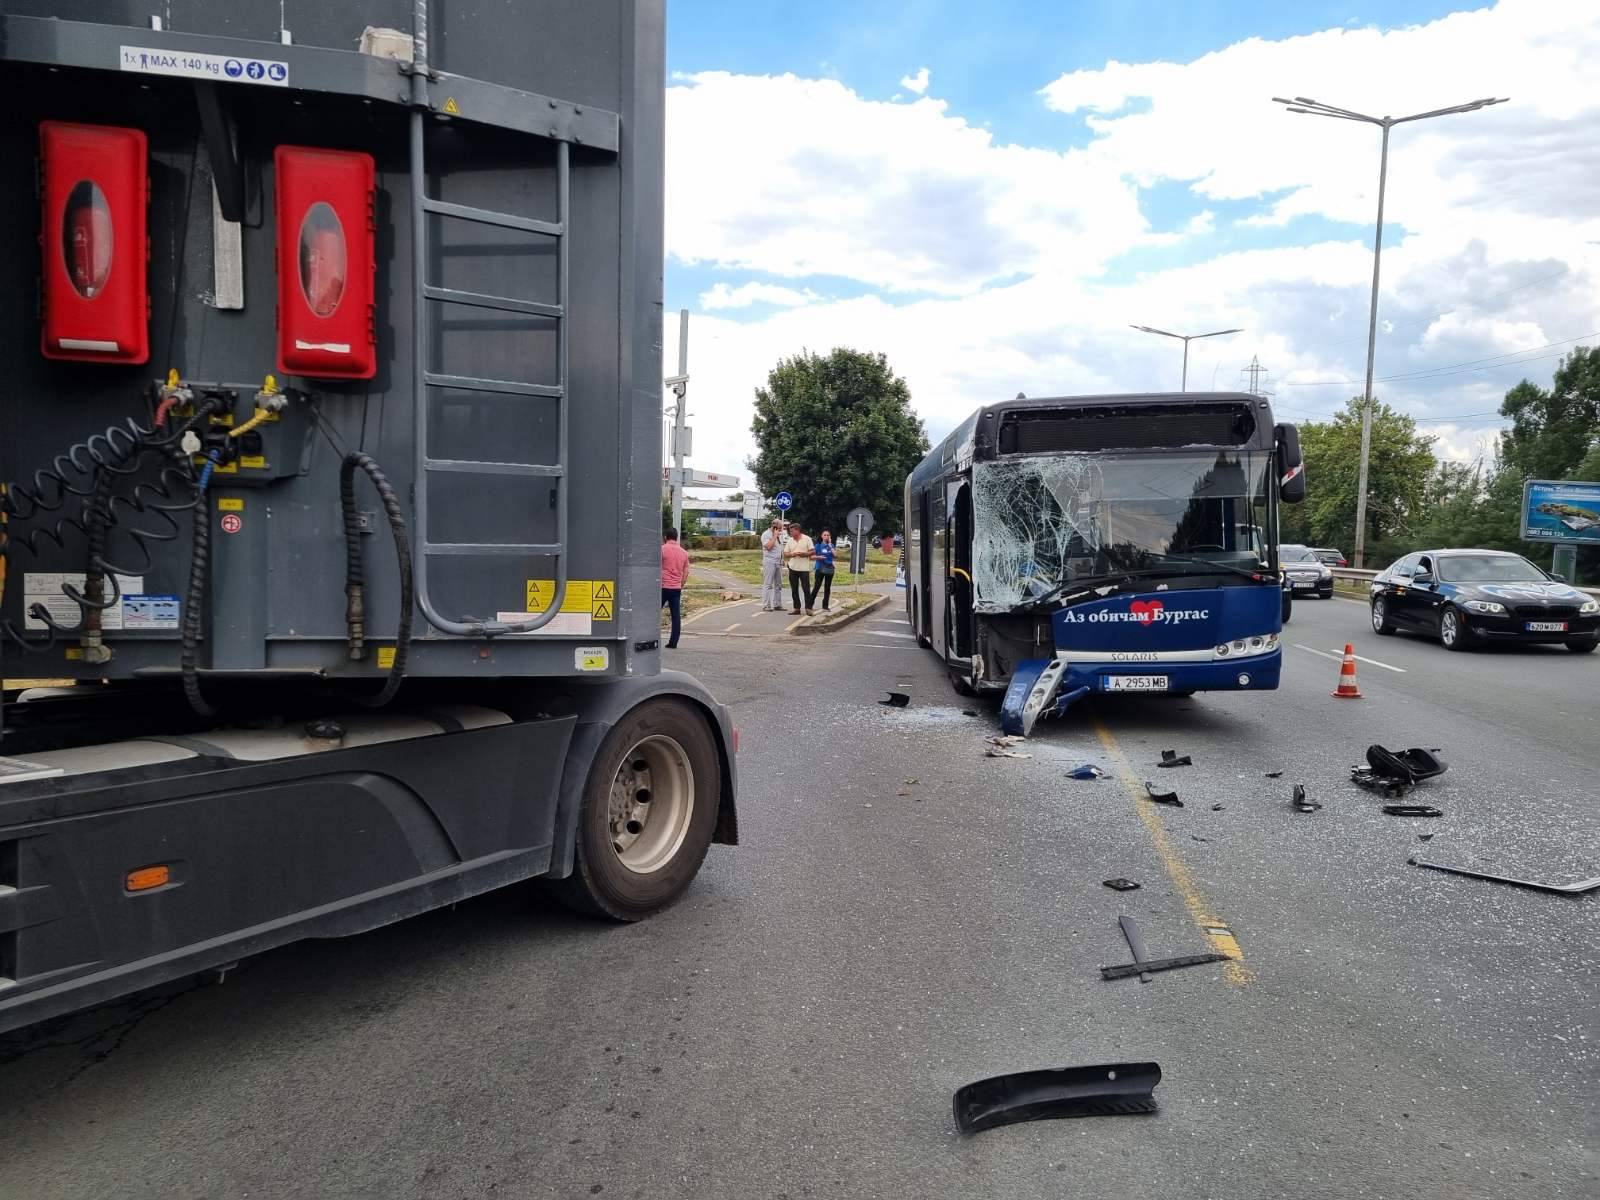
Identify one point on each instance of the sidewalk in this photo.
(745, 618)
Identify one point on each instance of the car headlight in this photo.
(1326, 573)
(1484, 606)
(1590, 606)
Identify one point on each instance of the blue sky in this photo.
(1071, 168)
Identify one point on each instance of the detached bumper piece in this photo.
(1393, 772)
(1109, 1090)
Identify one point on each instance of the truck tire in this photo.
(649, 811)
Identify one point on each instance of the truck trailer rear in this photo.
(332, 462)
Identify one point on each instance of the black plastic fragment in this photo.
(1217, 807)
(1163, 797)
(1412, 810)
(897, 699)
(1111, 1089)
(1299, 801)
(1144, 966)
(969, 712)
(1121, 885)
(1274, 774)
(1576, 888)
(1171, 758)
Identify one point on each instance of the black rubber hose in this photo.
(193, 601)
(355, 603)
(353, 462)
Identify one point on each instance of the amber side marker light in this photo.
(146, 878)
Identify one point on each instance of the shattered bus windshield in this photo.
(1052, 520)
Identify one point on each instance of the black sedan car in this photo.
(1305, 571)
(1474, 597)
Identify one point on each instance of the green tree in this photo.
(1553, 431)
(836, 431)
(1400, 468)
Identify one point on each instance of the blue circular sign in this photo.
(278, 72)
(784, 501)
(254, 69)
(234, 68)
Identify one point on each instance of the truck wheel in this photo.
(649, 810)
(1288, 607)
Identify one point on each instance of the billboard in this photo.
(1555, 510)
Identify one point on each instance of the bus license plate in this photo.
(1136, 683)
(1547, 626)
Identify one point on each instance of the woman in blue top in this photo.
(822, 567)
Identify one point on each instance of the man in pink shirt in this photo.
(674, 572)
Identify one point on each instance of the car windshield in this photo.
(1048, 520)
(1296, 554)
(1489, 568)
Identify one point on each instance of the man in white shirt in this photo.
(772, 568)
(797, 552)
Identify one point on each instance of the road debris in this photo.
(999, 746)
(1576, 888)
(1121, 885)
(969, 712)
(1085, 771)
(1218, 807)
(1170, 798)
(1143, 964)
(1299, 801)
(1171, 758)
(1195, 837)
(912, 782)
(1391, 772)
(1274, 774)
(897, 699)
(1106, 1090)
(1412, 810)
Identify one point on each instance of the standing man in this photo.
(823, 582)
(797, 553)
(772, 568)
(674, 572)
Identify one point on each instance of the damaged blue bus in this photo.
(1102, 543)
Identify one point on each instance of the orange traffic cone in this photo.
(1347, 689)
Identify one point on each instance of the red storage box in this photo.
(94, 248)
(326, 257)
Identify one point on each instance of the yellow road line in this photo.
(1200, 911)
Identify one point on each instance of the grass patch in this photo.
(745, 565)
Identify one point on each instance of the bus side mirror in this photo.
(1292, 468)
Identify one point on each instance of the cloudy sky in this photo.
(991, 194)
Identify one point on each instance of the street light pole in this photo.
(1315, 108)
(1185, 338)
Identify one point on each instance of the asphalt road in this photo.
(906, 916)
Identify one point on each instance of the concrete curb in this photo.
(849, 618)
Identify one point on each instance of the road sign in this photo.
(859, 522)
(784, 501)
(689, 477)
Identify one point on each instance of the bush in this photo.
(743, 540)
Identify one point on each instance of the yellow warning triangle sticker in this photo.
(602, 589)
(451, 107)
(602, 610)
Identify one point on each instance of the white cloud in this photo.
(987, 263)
(917, 83)
(723, 296)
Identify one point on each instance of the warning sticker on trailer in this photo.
(190, 65)
(579, 596)
(45, 588)
(150, 612)
(564, 623)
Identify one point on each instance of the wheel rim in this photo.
(652, 801)
(1447, 628)
(1377, 614)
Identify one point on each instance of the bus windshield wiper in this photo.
(1208, 564)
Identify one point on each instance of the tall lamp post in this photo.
(1315, 108)
(1185, 338)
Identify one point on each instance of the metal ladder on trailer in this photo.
(426, 380)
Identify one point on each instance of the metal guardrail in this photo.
(1351, 575)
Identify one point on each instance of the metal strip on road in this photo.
(1215, 929)
(1338, 656)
